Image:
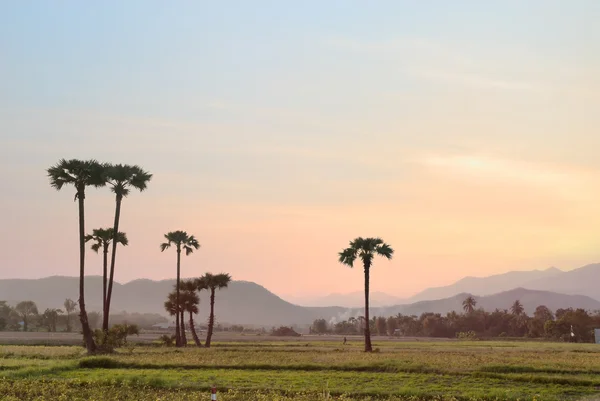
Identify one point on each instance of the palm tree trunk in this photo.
(113, 258)
(104, 279)
(177, 331)
(85, 326)
(183, 337)
(368, 347)
(193, 329)
(211, 319)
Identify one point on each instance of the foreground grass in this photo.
(475, 371)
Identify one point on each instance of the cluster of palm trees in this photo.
(121, 178)
(189, 302)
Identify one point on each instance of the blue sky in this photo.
(265, 122)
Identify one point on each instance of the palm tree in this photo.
(80, 174)
(190, 303)
(103, 238)
(365, 249)
(120, 177)
(213, 282)
(25, 310)
(469, 304)
(517, 308)
(70, 306)
(188, 242)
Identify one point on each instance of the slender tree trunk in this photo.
(368, 347)
(104, 280)
(25, 325)
(177, 326)
(85, 326)
(183, 336)
(68, 322)
(193, 329)
(211, 319)
(113, 258)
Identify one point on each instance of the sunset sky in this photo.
(464, 133)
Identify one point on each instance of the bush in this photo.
(467, 335)
(284, 332)
(116, 336)
(167, 340)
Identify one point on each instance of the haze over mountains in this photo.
(251, 304)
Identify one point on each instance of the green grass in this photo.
(416, 371)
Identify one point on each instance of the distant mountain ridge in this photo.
(486, 285)
(349, 300)
(248, 303)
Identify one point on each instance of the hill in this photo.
(349, 300)
(490, 285)
(251, 304)
(530, 299)
(242, 303)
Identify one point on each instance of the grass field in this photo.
(306, 370)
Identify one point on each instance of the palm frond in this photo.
(96, 247)
(165, 245)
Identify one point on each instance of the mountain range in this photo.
(248, 303)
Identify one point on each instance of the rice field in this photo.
(306, 370)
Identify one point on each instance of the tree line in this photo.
(568, 324)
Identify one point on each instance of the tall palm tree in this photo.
(190, 302)
(517, 308)
(365, 249)
(189, 243)
(469, 304)
(213, 282)
(102, 238)
(70, 306)
(121, 177)
(80, 174)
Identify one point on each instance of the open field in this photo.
(306, 370)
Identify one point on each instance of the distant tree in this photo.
(381, 325)
(70, 306)
(121, 178)
(469, 304)
(80, 174)
(5, 312)
(50, 318)
(95, 318)
(102, 238)
(26, 310)
(189, 243)
(366, 249)
(391, 325)
(543, 313)
(319, 326)
(517, 308)
(214, 282)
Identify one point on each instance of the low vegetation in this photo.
(300, 370)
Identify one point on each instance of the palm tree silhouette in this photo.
(469, 304)
(190, 303)
(517, 308)
(80, 174)
(102, 238)
(213, 282)
(365, 249)
(120, 177)
(189, 243)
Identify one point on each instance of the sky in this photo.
(463, 133)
